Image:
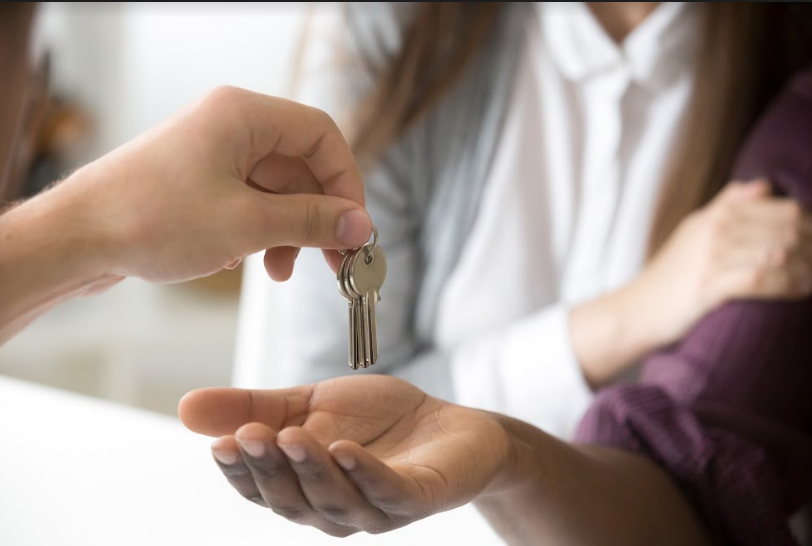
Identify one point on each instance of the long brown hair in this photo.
(747, 52)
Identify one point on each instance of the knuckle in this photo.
(314, 223)
(310, 471)
(386, 523)
(327, 128)
(325, 120)
(290, 512)
(339, 532)
(237, 473)
(333, 512)
(267, 471)
(257, 499)
(222, 96)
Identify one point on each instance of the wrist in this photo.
(520, 486)
(656, 313)
(53, 237)
(520, 463)
(614, 331)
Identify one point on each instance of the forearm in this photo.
(48, 254)
(553, 492)
(613, 332)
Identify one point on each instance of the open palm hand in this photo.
(365, 453)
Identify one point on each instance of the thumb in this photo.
(313, 220)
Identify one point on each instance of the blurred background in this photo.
(115, 69)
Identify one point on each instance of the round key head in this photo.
(367, 270)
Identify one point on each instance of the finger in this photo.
(276, 482)
(228, 458)
(325, 486)
(284, 174)
(767, 254)
(381, 485)
(304, 220)
(234, 264)
(333, 258)
(292, 129)
(754, 283)
(221, 411)
(783, 223)
(748, 254)
(279, 262)
(777, 213)
(772, 269)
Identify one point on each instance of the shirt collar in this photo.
(660, 48)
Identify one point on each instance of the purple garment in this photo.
(727, 412)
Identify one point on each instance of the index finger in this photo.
(290, 128)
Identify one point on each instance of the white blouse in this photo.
(567, 212)
(564, 217)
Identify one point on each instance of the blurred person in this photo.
(545, 179)
(233, 174)
(711, 446)
(551, 184)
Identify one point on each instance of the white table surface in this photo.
(80, 471)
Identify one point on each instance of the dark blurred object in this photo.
(61, 126)
(38, 127)
(17, 72)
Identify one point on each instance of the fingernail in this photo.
(227, 457)
(353, 228)
(234, 264)
(255, 448)
(295, 452)
(345, 460)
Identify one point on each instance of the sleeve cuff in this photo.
(528, 371)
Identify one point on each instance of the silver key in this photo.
(342, 290)
(364, 328)
(360, 345)
(366, 274)
(352, 306)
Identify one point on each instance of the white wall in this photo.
(132, 64)
(135, 63)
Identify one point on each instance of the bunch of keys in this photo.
(360, 279)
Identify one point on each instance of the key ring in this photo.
(370, 252)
